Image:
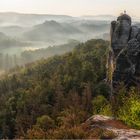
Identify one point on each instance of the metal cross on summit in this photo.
(124, 11)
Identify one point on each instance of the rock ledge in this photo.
(122, 131)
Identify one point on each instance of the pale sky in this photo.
(72, 7)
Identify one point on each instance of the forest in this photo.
(52, 97)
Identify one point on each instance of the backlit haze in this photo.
(71, 7)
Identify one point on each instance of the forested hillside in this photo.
(53, 97)
(11, 60)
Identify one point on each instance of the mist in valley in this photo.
(25, 38)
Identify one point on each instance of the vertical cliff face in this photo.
(124, 55)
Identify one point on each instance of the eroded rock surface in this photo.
(122, 131)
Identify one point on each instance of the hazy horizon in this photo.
(16, 12)
(72, 7)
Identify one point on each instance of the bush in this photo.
(130, 111)
(36, 133)
(45, 122)
(101, 106)
(71, 117)
(76, 132)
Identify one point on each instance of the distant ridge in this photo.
(99, 17)
(17, 13)
(35, 14)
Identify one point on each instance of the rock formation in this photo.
(119, 130)
(124, 55)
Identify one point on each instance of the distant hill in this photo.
(48, 52)
(6, 41)
(51, 31)
(100, 17)
(93, 27)
(2, 36)
(13, 30)
(20, 19)
(11, 18)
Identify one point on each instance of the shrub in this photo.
(76, 132)
(130, 111)
(71, 117)
(101, 106)
(36, 133)
(45, 122)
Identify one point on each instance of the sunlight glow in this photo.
(71, 7)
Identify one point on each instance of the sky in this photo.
(72, 7)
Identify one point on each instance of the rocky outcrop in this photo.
(119, 130)
(124, 55)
